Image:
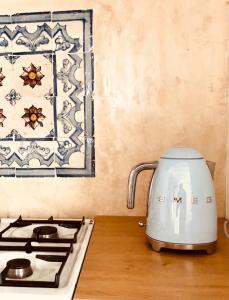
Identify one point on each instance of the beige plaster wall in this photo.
(161, 81)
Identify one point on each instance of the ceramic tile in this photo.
(34, 172)
(70, 117)
(46, 89)
(36, 157)
(70, 75)
(39, 38)
(69, 153)
(71, 29)
(33, 75)
(5, 20)
(41, 153)
(34, 117)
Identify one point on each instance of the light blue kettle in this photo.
(181, 206)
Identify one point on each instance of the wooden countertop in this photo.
(120, 265)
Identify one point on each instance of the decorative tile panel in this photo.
(46, 94)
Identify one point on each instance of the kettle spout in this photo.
(211, 166)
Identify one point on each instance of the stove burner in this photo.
(45, 232)
(19, 268)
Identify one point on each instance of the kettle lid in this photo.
(182, 153)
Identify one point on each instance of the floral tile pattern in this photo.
(46, 94)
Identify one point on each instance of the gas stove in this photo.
(42, 259)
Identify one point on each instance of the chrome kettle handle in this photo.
(133, 178)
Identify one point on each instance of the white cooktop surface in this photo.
(43, 270)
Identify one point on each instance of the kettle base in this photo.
(158, 245)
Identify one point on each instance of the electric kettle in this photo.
(181, 211)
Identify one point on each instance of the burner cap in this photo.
(45, 232)
(18, 263)
(19, 268)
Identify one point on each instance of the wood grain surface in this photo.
(121, 265)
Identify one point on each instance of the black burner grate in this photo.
(19, 223)
(28, 248)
